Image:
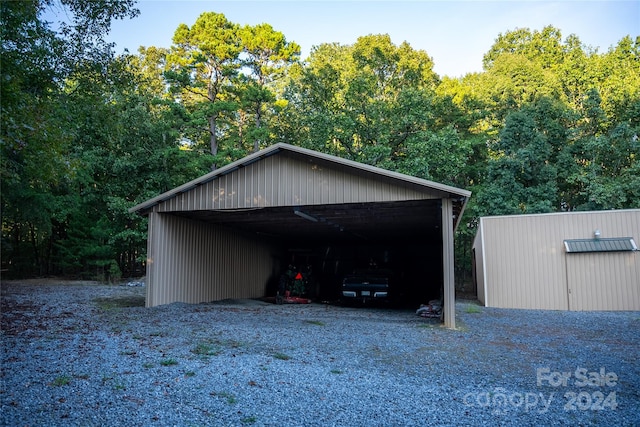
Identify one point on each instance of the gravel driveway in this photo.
(86, 354)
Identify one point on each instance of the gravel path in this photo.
(85, 354)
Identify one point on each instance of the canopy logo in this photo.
(585, 398)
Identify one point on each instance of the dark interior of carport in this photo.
(402, 237)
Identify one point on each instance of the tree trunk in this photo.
(256, 143)
(213, 139)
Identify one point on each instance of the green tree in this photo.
(363, 101)
(127, 148)
(35, 121)
(521, 175)
(266, 55)
(604, 157)
(203, 61)
(544, 47)
(617, 79)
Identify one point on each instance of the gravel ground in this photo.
(85, 354)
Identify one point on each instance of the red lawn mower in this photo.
(292, 286)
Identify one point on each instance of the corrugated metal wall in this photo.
(523, 266)
(192, 262)
(286, 180)
(478, 264)
(603, 281)
(521, 262)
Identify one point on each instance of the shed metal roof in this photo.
(615, 244)
(450, 191)
(375, 217)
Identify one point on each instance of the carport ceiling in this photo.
(417, 220)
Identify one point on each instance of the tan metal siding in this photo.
(449, 297)
(522, 262)
(479, 270)
(194, 262)
(288, 181)
(525, 264)
(313, 160)
(604, 281)
(152, 250)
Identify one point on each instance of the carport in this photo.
(229, 233)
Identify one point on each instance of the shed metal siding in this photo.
(285, 180)
(524, 263)
(193, 262)
(603, 281)
(523, 268)
(478, 267)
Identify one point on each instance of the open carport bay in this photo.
(403, 238)
(232, 232)
(414, 271)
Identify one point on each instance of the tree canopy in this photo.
(549, 125)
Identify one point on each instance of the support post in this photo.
(448, 272)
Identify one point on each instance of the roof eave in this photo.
(245, 161)
(144, 207)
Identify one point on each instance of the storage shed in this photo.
(229, 233)
(559, 261)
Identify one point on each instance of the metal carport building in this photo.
(227, 233)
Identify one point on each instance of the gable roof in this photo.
(444, 190)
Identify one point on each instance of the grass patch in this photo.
(147, 365)
(189, 374)
(168, 362)
(205, 349)
(229, 397)
(61, 380)
(336, 371)
(430, 325)
(214, 346)
(315, 322)
(281, 356)
(249, 420)
(231, 343)
(115, 303)
(472, 309)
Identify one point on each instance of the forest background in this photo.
(549, 125)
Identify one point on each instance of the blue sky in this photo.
(456, 34)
